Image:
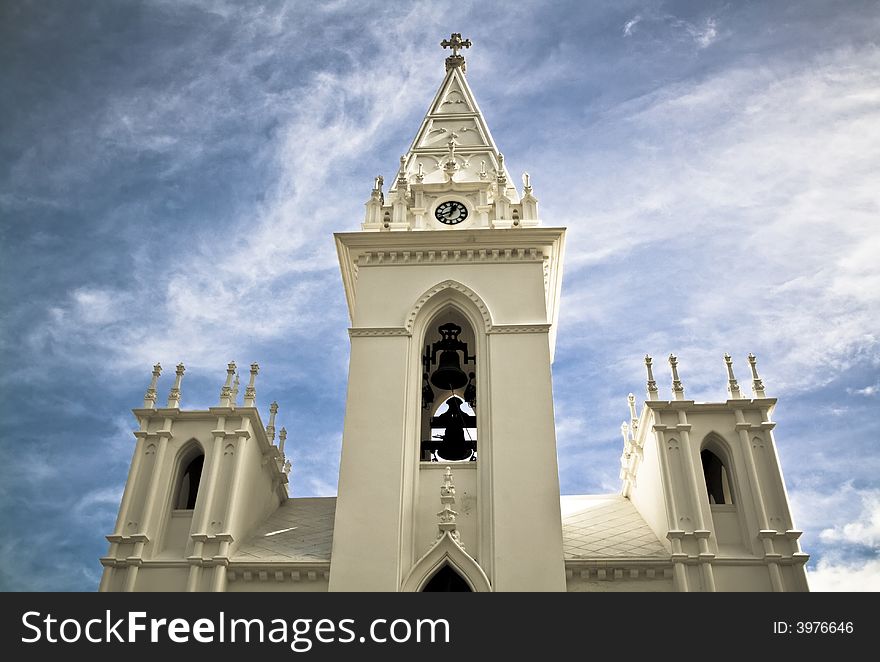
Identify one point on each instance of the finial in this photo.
(677, 388)
(483, 173)
(757, 383)
(624, 432)
(420, 173)
(451, 165)
(150, 395)
(282, 437)
(378, 180)
(174, 394)
(732, 385)
(226, 399)
(652, 385)
(633, 416)
(401, 176)
(250, 392)
(456, 43)
(499, 175)
(270, 429)
(235, 385)
(447, 515)
(527, 184)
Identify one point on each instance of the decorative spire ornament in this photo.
(456, 43)
(270, 429)
(633, 417)
(174, 394)
(250, 392)
(757, 383)
(732, 385)
(150, 395)
(447, 515)
(226, 391)
(652, 385)
(677, 388)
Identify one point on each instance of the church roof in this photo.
(299, 530)
(593, 527)
(606, 526)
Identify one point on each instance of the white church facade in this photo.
(453, 290)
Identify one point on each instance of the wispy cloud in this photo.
(630, 24)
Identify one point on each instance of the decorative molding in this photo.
(448, 285)
(519, 328)
(378, 331)
(450, 256)
(446, 551)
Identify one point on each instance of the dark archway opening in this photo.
(717, 480)
(447, 580)
(188, 489)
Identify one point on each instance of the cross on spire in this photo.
(456, 43)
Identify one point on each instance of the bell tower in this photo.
(452, 287)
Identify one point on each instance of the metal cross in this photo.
(456, 43)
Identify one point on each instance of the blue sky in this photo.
(171, 173)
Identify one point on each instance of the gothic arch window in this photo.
(188, 481)
(717, 478)
(449, 365)
(447, 580)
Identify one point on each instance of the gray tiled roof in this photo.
(606, 526)
(299, 530)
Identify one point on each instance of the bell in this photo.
(448, 376)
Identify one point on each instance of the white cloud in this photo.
(863, 531)
(868, 391)
(705, 35)
(750, 198)
(630, 24)
(845, 577)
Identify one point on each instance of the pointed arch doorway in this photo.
(447, 580)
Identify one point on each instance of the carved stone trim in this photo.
(378, 331)
(519, 328)
(449, 256)
(448, 285)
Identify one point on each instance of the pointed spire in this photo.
(456, 43)
(677, 388)
(732, 385)
(250, 392)
(226, 392)
(270, 429)
(174, 394)
(757, 383)
(282, 437)
(652, 385)
(633, 416)
(150, 395)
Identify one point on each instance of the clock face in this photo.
(451, 212)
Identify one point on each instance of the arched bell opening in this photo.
(188, 484)
(719, 477)
(447, 580)
(449, 389)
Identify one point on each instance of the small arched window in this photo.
(717, 478)
(447, 580)
(188, 486)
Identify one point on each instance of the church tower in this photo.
(453, 289)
